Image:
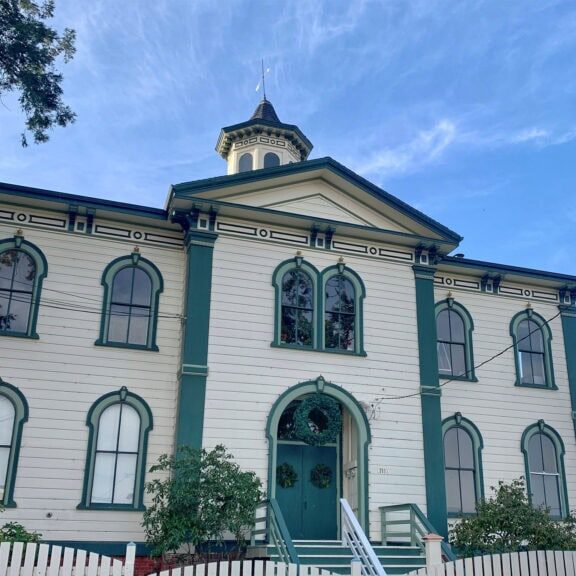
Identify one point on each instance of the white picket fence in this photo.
(245, 568)
(18, 559)
(535, 563)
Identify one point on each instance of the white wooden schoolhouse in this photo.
(287, 291)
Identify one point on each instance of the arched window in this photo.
(544, 460)
(533, 350)
(454, 329)
(245, 163)
(271, 160)
(343, 292)
(296, 296)
(462, 465)
(132, 287)
(13, 414)
(119, 424)
(23, 267)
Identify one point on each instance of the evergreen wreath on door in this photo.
(318, 420)
(286, 476)
(321, 476)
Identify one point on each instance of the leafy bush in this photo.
(508, 522)
(15, 532)
(204, 496)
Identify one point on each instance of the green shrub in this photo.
(15, 532)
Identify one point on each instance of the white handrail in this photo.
(353, 536)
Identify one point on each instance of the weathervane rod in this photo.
(263, 81)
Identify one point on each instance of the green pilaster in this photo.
(194, 371)
(430, 399)
(568, 314)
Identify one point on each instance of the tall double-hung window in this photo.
(532, 339)
(544, 460)
(454, 329)
(132, 287)
(116, 461)
(22, 270)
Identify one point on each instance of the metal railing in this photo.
(409, 524)
(354, 537)
(270, 527)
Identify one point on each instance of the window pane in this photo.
(4, 457)
(7, 265)
(523, 335)
(20, 312)
(347, 322)
(548, 454)
(103, 478)
(288, 329)
(453, 492)
(347, 296)
(142, 291)
(538, 372)
(108, 428)
(139, 319)
(304, 334)
(332, 295)
(526, 368)
(535, 462)
(5, 318)
(6, 422)
(118, 323)
(457, 327)
(536, 339)
(537, 490)
(451, 448)
(125, 477)
(468, 489)
(444, 365)
(271, 160)
(552, 492)
(339, 331)
(129, 430)
(305, 291)
(245, 163)
(443, 326)
(465, 448)
(458, 360)
(290, 288)
(25, 272)
(122, 286)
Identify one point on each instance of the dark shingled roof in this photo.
(265, 111)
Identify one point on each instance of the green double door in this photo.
(310, 511)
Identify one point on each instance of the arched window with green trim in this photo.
(543, 451)
(296, 285)
(132, 288)
(463, 473)
(532, 339)
(13, 415)
(23, 267)
(119, 424)
(342, 309)
(454, 328)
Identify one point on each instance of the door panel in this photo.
(290, 499)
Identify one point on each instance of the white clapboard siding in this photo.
(534, 563)
(19, 559)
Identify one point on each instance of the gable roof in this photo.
(200, 188)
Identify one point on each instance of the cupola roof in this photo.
(265, 111)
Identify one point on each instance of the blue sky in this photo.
(464, 109)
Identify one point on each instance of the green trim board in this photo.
(458, 421)
(529, 314)
(451, 304)
(122, 396)
(19, 243)
(360, 420)
(21, 413)
(430, 399)
(198, 290)
(134, 260)
(568, 315)
(541, 427)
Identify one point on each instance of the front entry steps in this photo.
(331, 555)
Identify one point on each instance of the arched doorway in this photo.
(303, 502)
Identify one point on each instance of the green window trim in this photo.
(541, 427)
(133, 260)
(21, 412)
(458, 421)
(529, 314)
(450, 304)
(297, 263)
(18, 243)
(93, 423)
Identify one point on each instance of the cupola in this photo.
(262, 142)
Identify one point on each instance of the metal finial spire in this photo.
(263, 81)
